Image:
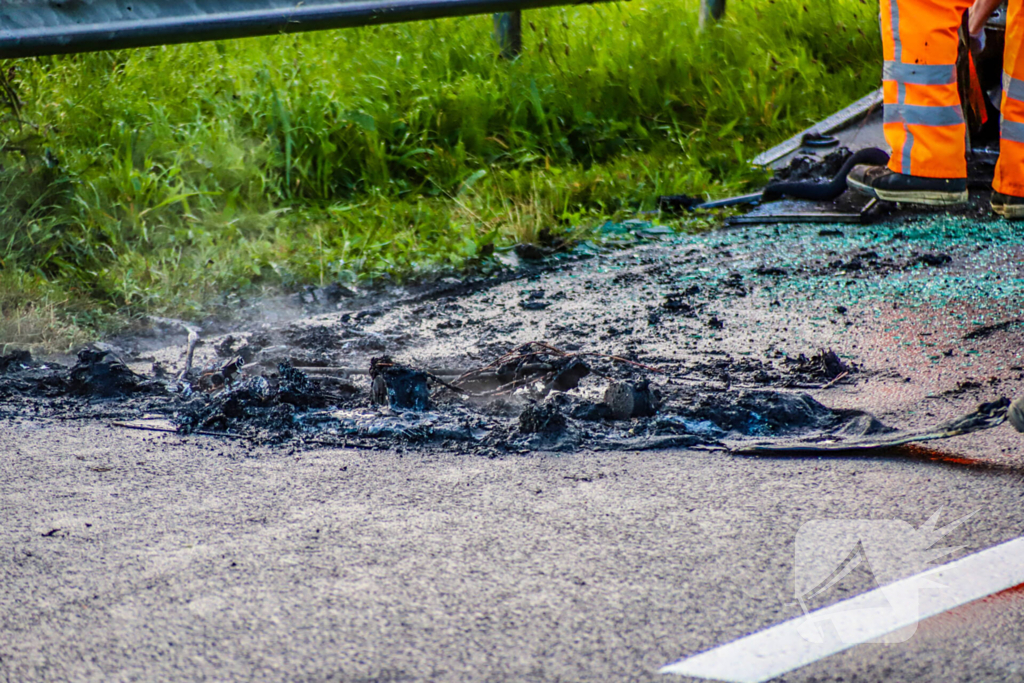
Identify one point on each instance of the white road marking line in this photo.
(782, 648)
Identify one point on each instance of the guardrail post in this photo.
(508, 33)
(711, 11)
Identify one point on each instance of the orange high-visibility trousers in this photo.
(923, 122)
(1009, 178)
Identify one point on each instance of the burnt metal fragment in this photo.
(193, 341)
(405, 388)
(219, 377)
(646, 400)
(379, 390)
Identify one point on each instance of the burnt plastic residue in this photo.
(101, 373)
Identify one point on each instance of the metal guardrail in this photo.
(858, 110)
(31, 28)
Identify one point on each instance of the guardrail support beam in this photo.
(508, 33)
(711, 11)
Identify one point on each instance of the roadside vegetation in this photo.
(157, 180)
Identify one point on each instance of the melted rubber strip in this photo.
(987, 416)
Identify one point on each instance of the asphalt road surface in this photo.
(132, 555)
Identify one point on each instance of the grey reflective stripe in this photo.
(919, 115)
(1011, 130)
(901, 90)
(908, 137)
(908, 147)
(894, 15)
(919, 74)
(1013, 87)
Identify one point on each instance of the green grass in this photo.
(153, 180)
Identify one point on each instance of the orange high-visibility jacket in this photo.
(924, 123)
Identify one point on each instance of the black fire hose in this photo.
(825, 192)
(820, 192)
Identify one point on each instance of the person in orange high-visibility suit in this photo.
(923, 121)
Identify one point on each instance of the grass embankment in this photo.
(156, 179)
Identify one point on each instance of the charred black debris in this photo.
(534, 397)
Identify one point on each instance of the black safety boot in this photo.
(1007, 205)
(881, 183)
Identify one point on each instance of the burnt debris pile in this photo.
(813, 168)
(104, 374)
(21, 375)
(825, 365)
(97, 374)
(534, 397)
(709, 342)
(758, 413)
(539, 365)
(270, 408)
(19, 359)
